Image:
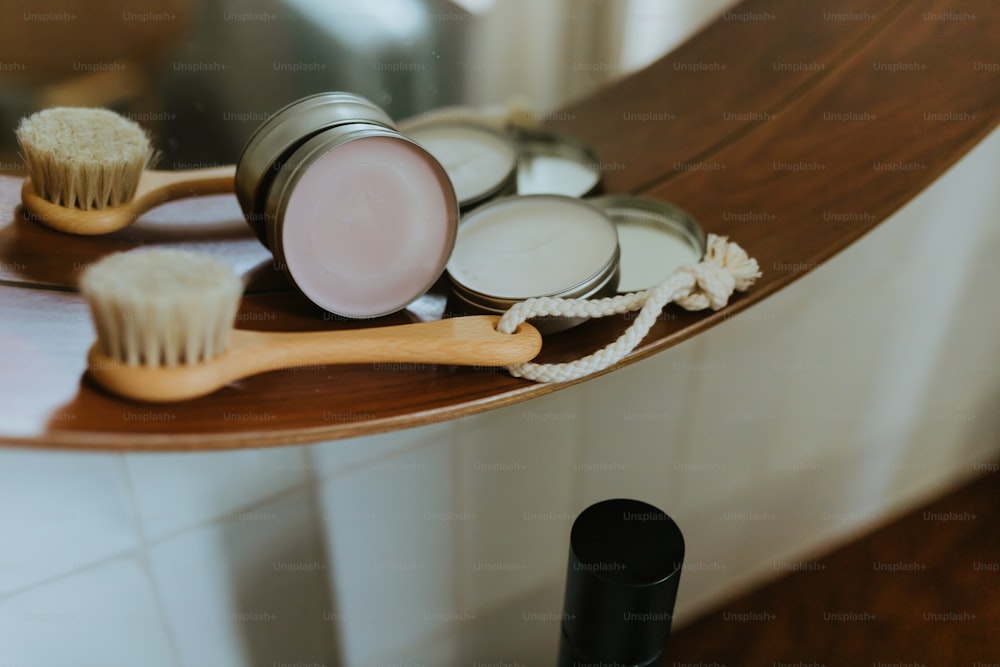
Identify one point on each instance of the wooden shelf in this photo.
(794, 132)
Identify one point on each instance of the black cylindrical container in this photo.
(625, 562)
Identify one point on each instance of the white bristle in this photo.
(162, 307)
(83, 158)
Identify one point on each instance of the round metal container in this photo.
(289, 127)
(481, 162)
(528, 246)
(555, 164)
(361, 218)
(655, 238)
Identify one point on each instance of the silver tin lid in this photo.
(393, 189)
(554, 164)
(527, 246)
(481, 162)
(655, 238)
(285, 130)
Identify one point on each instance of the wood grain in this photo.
(921, 590)
(794, 189)
(737, 74)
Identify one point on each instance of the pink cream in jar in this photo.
(360, 218)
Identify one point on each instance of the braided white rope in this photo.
(708, 284)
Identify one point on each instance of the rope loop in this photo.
(726, 268)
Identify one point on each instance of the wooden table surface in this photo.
(788, 126)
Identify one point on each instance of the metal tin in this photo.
(481, 162)
(555, 164)
(287, 129)
(655, 238)
(302, 136)
(583, 224)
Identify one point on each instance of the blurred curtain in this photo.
(554, 51)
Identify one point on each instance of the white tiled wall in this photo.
(513, 469)
(174, 492)
(60, 513)
(102, 615)
(248, 589)
(393, 552)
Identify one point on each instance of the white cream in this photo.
(649, 255)
(553, 174)
(477, 160)
(523, 247)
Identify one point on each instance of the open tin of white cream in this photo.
(655, 239)
(529, 246)
(481, 162)
(534, 245)
(556, 164)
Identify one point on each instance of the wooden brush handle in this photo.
(461, 341)
(155, 188)
(464, 341)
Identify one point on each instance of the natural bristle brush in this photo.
(164, 321)
(88, 171)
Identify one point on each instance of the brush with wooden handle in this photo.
(88, 171)
(164, 321)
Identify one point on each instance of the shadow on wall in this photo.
(282, 579)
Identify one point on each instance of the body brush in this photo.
(88, 171)
(164, 321)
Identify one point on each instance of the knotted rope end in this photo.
(730, 256)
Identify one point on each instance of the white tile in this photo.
(634, 440)
(60, 512)
(178, 491)
(515, 473)
(746, 538)
(521, 632)
(390, 530)
(830, 398)
(945, 436)
(251, 589)
(431, 652)
(739, 408)
(105, 615)
(332, 458)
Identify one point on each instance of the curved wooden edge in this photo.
(170, 442)
(842, 152)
